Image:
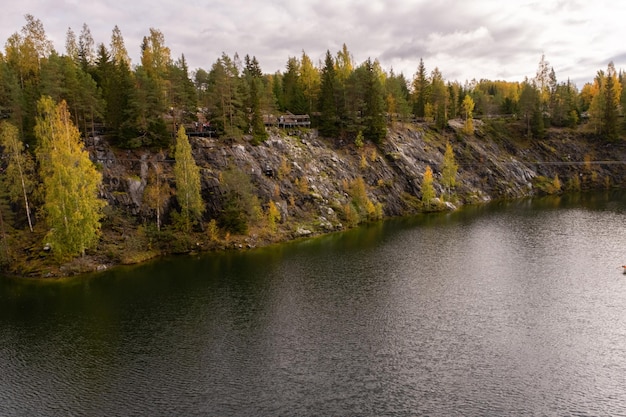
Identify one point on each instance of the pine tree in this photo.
(328, 123)
(293, 88)
(373, 114)
(86, 48)
(612, 94)
(187, 177)
(253, 74)
(420, 91)
(72, 208)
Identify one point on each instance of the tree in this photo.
(240, 206)
(542, 83)
(420, 91)
(182, 97)
(71, 45)
(529, 104)
(71, 182)
(253, 74)
(612, 94)
(439, 98)
(428, 190)
(373, 111)
(158, 191)
(35, 35)
(397, 96)
(224, 102)
(310, 82)
(187, 177)
(20, 169)
(327, 99)
(293, 88)
(344, 70)
(118, 49)
(468, 108)
(449, 169)
(86, 48)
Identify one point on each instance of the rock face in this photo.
(307, 176)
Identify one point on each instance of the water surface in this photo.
(508, 309)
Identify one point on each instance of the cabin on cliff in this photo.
(287, 120)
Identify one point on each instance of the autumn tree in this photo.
(119, 54)
(428, 189)
(449, 169)
(187, 177)
(35, 36)
(344, 70)
(148, 101)
(310, 82)
(157, 192)
(71, 182)
(19, 172)
(468, 109)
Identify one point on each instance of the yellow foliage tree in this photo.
(428, 190)
(468, 109)
(72, 207)
(187, 175)
(273, 216)
(449, 169)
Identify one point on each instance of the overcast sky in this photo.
(465, 39)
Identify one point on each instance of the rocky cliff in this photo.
(321, 185)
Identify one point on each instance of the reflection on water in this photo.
(513, 308)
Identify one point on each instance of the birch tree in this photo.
(187, 176)
(20, 168)
(428, 190)
(72, 207)
(449, 169)
(158, 191)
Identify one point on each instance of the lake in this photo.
(514, 308)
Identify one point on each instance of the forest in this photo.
(50, 101)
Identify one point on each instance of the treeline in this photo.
(142, 105)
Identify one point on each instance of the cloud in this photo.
(464, 39)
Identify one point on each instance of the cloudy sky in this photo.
(465, 39)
